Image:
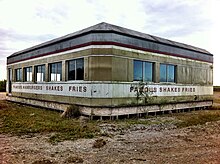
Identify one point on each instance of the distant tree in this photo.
(3, 86)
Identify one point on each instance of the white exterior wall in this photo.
(110, 90)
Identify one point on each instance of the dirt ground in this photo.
(2, 95)
(141, 144)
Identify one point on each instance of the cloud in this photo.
(11, 35)
(123, 13)
(34, 22)
(54, 13)
(12, 41)
(2, 62)
(175, 18)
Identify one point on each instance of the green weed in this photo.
(23, 120)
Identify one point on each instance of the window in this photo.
(28, 74)
(18, 74)
(56, 71)
(167, 73)
(143, 71)
(40, 73)
(138, 70)
(76, 69)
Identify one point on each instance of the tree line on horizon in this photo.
(3, 86)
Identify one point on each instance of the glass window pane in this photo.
(56, 71)
(59, 71)
(52, 77)
(138, 70)
(79, 69)
(28, 74)
(51, 71)
(53, 68)
(170, 73)
(43, 73)
(18, 74)
(148, 71)
(71, 70)
(58, 77)
(76, 69)
(40, 73)
(37, 68)
(25, 74)
(163, 73)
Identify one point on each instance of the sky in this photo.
(26, 23)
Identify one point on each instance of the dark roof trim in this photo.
(108, 28)
(109, 43)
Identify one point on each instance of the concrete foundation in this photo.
(115, 112)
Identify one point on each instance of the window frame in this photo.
(28, 74)
(42, 71)
(75, 74)
(56, 73)
(18, 75)
(167, 73)
(143, 71)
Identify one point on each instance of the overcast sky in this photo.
(24, 23)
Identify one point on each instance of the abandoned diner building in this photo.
(111, 71)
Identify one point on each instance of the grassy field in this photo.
(216, 88)
(16, 119)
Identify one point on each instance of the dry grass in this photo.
(19, 119)
(197, 118)
(216, 88)
(23, 120)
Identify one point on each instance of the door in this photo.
(9, 80)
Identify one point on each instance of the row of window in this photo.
(144, 71)
(75, 71)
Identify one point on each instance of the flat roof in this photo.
(162, 45)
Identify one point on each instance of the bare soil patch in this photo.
(148, 140)
(2, 95)
(217, 98)
(197, 144)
